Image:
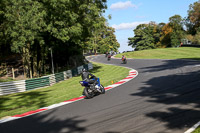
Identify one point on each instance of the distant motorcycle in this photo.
(91, 90)
(124, 61)
(109, 57)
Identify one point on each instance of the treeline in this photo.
(172, 34)
(32, 28)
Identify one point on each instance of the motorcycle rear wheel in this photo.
(88, 93)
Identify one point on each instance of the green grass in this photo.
(197, 130)
(31, 100)
(7, 79)
(165, 53)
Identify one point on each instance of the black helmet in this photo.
(83, 70)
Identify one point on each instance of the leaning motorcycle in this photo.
(92, 90)
(124, 61)
(109, 57)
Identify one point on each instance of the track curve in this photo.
(164, 98)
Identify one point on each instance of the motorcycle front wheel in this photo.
(102, 89)
(88, 93)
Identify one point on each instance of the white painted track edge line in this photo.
(193, 128)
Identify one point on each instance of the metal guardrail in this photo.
(37, 83)
(12, 87)
(30, 84)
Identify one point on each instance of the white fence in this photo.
(12, 87)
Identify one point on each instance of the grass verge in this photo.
(19, 103)
(197, 130)
(7, 79)
(165, 53)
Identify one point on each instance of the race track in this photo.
(163, 98)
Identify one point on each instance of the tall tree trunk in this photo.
(42, 65)
(35, 65)
(26, 60)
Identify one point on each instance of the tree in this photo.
(160, 35)
(165, 35)
(193, 19)
(25, 20)
(144, 37)
(96, 30)
(176, 23)
(108, 40)
(32, 27)
(196, 39)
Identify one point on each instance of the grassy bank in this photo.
(31, 100)
(197, 130)
(7, 79)
(165, 53)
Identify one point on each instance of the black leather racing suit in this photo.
(86, 77)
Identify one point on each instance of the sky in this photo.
(127, 14)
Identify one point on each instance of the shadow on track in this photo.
(171, 64)
(177, 93)
(43, 124)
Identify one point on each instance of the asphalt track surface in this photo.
(163, 98)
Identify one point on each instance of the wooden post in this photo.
(6, 70)
(13, 73)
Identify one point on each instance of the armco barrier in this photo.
(37, 83)
(79, 69)
(52, 79)
(68, 74)
(12, 87)
(74, 72)
(86, 66)
(30, 84)
(59, 76)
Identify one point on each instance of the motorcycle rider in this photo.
(109, 56)
(123, 57)
(86, 76)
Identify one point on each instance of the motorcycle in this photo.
(109, 57)
(92, 90)
(124, 61)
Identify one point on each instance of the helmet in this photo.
(83, 70)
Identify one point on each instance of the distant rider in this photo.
(109, 56)
(123, 58)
